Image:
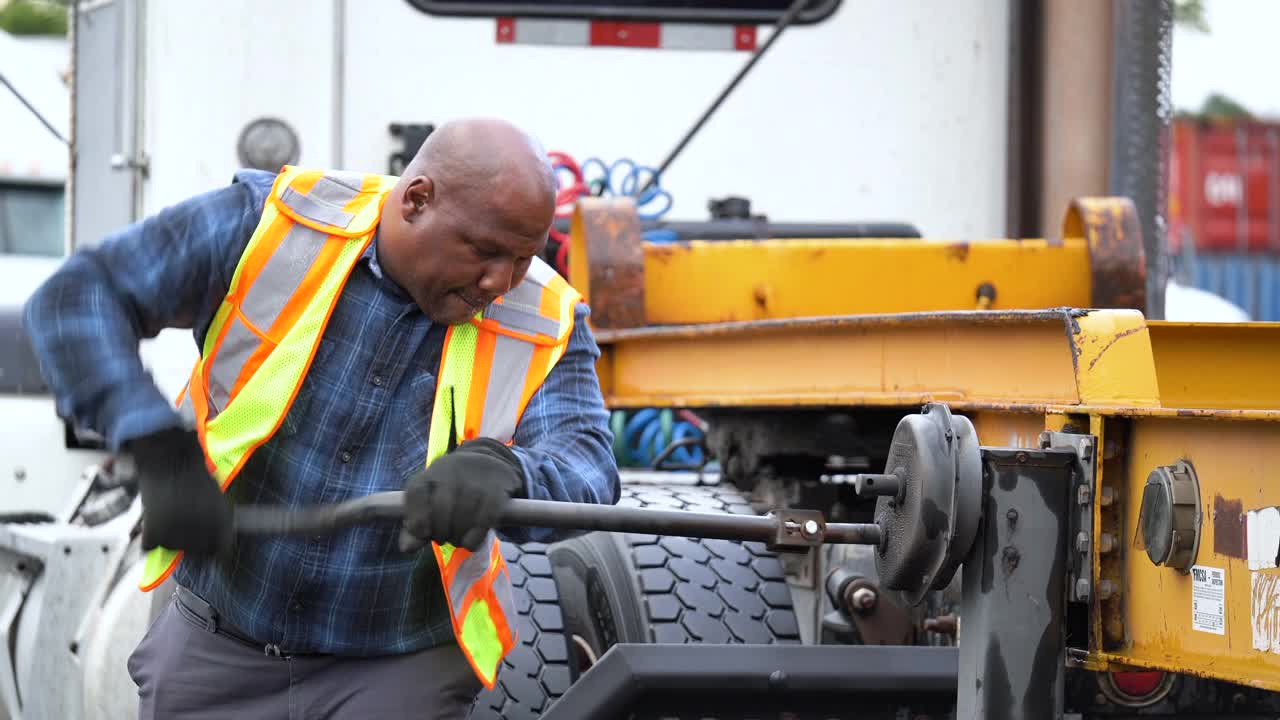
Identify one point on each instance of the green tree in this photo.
(1219, 105)
(1190, 14)
(33, 17)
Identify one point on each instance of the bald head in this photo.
(477, 154)
(467, 216)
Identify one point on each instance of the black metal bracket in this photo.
(754, 681)
(797, 530)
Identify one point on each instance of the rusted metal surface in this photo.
(1235, 463)
(1117, 261)
(606, 261)
(1111, 497)
(721, 281)
(1228, 527)
(858, 361)
(1102, 362)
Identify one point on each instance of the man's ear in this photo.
(419, 193)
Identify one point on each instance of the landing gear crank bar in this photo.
(783, 530)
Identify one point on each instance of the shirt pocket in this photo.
(415, 429)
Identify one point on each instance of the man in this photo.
(357, 334)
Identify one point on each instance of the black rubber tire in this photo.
(536, 671)
(623, 587)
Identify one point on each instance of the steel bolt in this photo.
(1083, 494)
(811, 527)
(1106, 589)
(19, 473)
(863, 599)
(1082, 588)
(1020, 457)
(1082, 542)
(1106, 542)
(1012, 516)
(1086, 449)
(1106, 496)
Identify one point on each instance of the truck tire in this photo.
(631, 588)
(536, 671)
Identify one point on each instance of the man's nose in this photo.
(498, 277)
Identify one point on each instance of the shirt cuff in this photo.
(140, 412)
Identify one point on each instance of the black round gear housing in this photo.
(929, 526)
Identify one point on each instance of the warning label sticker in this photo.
(1208, 599)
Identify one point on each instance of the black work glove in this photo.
(458, 498)
(182, 506)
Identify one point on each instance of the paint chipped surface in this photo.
(1265, 611)
(1262, 537)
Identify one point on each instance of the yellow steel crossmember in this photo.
(1153, 394)
(701, 282)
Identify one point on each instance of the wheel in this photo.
(536, 671)
(622, 587)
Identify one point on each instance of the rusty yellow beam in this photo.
(1106, 362)
(1095, 262)
(1148, 623)
(966, 359)
(1205, 365)
(704, 282)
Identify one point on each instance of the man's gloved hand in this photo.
(458, 498)
(182, 506)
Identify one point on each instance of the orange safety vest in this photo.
(314, 228)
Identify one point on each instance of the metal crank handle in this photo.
(782, 530)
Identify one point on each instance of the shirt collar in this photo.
(370, 256)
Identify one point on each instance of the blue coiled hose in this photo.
(641, 437)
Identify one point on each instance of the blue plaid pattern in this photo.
(358, 425)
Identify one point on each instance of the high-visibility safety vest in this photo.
(314, 228)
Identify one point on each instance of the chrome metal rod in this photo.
(260, 520)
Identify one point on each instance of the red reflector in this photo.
(1138, 684)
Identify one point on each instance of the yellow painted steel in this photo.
(1152, 394)
(1235, 463)
(705, 282)
(898, 360)
(1204, 365)
(1114, 361)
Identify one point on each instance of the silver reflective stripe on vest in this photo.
(471, 570)
(187, 409)
(237, 345)
(511, 358)
(510, 315)
(316, 210)
(502, 591)
(328, 196)
(282, 275)
(540, 272)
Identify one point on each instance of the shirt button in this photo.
(377, 380)
(346, 456)
(297, 606)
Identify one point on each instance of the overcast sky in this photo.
(1239, 57)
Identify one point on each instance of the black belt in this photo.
(214, 623)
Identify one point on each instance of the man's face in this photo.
(454, 254)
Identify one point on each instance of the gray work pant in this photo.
(183, 670)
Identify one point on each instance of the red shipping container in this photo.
(1224, 186)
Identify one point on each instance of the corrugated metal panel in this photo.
(1225, 186)
(1250, 280)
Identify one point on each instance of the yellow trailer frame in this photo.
(1151, 393)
